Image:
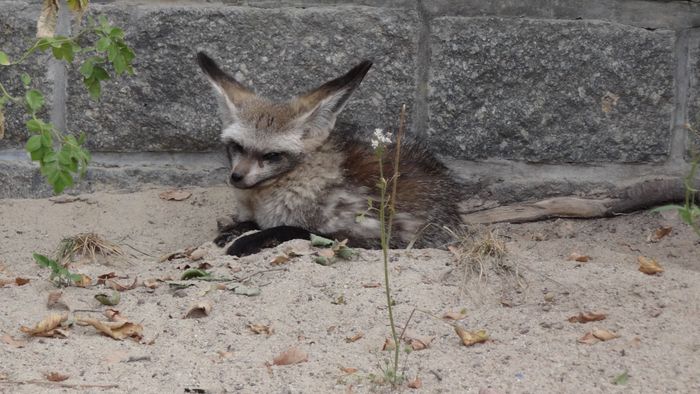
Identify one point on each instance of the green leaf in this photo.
(103, 43)
(194, 273)
(621, 379)
(35, 125)
(93, 86)
(100, 73)
(26, 79)
(33, 143)
(38, 154)
(4, 59)
(320, 241)
(42, 260)
(34, 99)
(116, 32)
(119, 64)
(105, 299)
(46, 139)
(74, 277)
(87, 68)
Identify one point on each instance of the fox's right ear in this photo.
(230, 93)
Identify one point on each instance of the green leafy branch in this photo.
(689, 212)
(59, 274)
(63, 156)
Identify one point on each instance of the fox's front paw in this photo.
(230, 231)
(244, 246)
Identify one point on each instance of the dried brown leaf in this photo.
(420, 343)
(649, 266)
(151, 283)
(389, 344)
(46, 327)
(260, 328)
(581, 258)
(455, 315)
(197, 254)
(659, 233)
(415, 383)
(118, 330)
(84, 281)
(9, 340)
(470, 338)
(21, 281)
(46, 24)
(588, 339)
(348, 370)
(293, 355)
(604, 335)
(355, 337)
(114, 315)
(56, 377)
(55, 301)
(199, 310)
(327, 253)
(114, 285)
(585, 317)
(175, 195)
(371, 285)
(279, 260)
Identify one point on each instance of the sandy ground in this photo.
(532, 346)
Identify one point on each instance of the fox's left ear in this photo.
(317, 110)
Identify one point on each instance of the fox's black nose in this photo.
(235, 177)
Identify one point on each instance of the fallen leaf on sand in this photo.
(118, 330)
(659, 233)
(114, 315)
(588, 339)
(175, 195)
(55, 301)
(389, 344)
(455, 315)
(470, 338)
(581, 258)
(595, 336)
(604, 335)
(585, 317)
(151, 283)
(415, 383)
(113, 284)
(15, 281)
(293, 355)
(348, 370)
(197, 254)
(371, 285)
(84, 281)
(106, 299)
(420, 343)
(9, 340)
(56, 377)
(649, 266)
(47, 327)
(279, 260)
(103, 278)
(199, 310)
(260, 328)
(355, 337)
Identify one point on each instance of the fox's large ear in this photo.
(230, 93)
(318, 109)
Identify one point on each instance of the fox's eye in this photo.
(272, 156)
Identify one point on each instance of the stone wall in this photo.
(521, 98)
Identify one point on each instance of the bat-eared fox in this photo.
(294, 175)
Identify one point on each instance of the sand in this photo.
(532, 347)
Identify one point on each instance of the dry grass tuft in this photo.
(481, 255)
(86, 245)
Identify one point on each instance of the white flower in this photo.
(380, 138)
